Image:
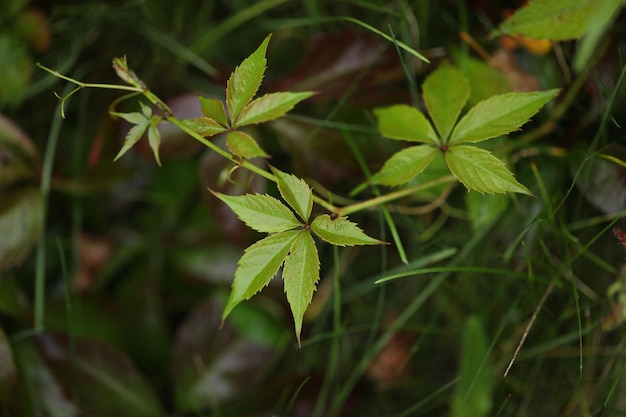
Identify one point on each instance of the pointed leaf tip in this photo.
(300, 275)
(258, 265)
(499, 115)
(245, 81)
(479, 170)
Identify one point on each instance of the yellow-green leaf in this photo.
(446, 91)
(258, 265)
(404, 165)
(134, 134)
(243, 145)
(245, 80)
(269, 107)
(296, 192)
(204, 126)
(213, 109)
(405, 123)
(340, 231)
(499, 115)
(555, 20)
(479, 170)
(261, 212)
(154, 139)
(300, 275)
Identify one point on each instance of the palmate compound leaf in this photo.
(446, 91)
(404, 165)
(258, 265)
(340, 231)
(479, 170)
(269, 107)
(405, 123)
(499, 115)
(300, 275)
(296, 193)
(245, 80)
(260, 212)
(243, 145)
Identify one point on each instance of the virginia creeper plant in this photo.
(290, 243)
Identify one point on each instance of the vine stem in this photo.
(385, 198)
(156, 101)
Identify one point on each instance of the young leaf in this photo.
(404, 165)
(296, 193)
(549, 19)
(204, 126)
(300, 274)
(154, 138)
(134, 134)
(405, 123)
(258, 265)
(269, 107)
(245, 80)
(340, 231)
(446, 91)
(479, 170)
(243, 145)
(499, 115)
(213, 109)
(260, 212)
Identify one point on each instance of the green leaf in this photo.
(135, 118)
(300, 274)
(479, 170)
(243, 145)
(214, 109)
(141, 121)
(405, 123)
(296, 192)
(340, 231)
(499, 115)
(258, 265)
(204, 126)
(550, 19)
(473, 395)
(154, 138)
(404, 165)
(269, 107)
(245, 80)
(446, 91)
(261, 212)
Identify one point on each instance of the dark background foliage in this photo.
(113, 276)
